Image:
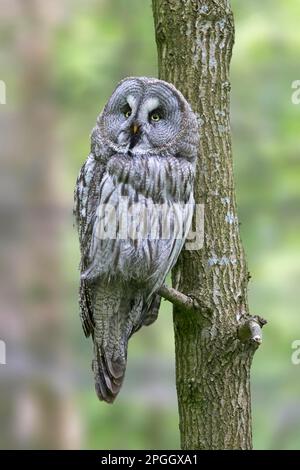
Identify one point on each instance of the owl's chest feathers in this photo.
(158, 178)
(138, 220)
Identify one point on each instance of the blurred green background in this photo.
(60, 61)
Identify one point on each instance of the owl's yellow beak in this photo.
(135, 128)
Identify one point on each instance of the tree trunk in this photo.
(215, 345)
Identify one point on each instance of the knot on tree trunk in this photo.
(250, 330)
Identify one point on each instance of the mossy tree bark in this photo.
(214, 344)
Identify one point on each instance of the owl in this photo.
(133, 208)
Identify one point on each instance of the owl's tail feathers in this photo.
(109, 374)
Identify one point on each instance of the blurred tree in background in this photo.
(81, 49)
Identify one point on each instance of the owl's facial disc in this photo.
(140, 118)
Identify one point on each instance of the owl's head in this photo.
(147, 116)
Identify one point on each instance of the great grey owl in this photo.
(141, 168)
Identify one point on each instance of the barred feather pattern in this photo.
(120, 274)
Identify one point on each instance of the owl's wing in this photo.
(86, 196)
(167, 251)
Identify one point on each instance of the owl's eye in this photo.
(127, 112)
(155, 117)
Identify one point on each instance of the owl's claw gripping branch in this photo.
(251, 330)
(186, 302)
